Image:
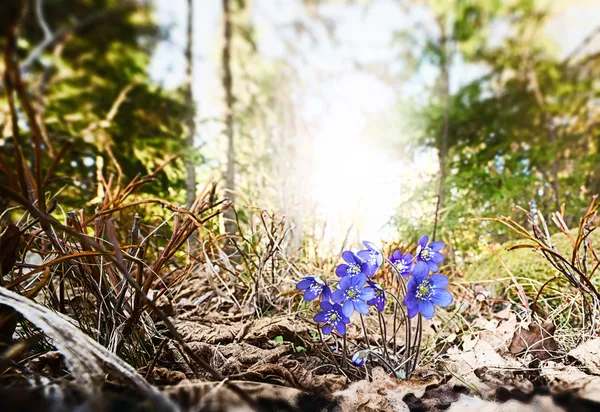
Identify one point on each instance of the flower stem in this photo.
(383, 331)
(335, 362)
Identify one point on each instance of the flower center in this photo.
(401, 265)
(351, 293)
(426, 254)
(353, 269)
(378, 292)
(424, 290)
(333, 317)
(315, 287)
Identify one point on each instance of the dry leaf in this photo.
(535, 339)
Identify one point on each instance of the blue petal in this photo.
(427, 309)
(437, 280)
(442, 297)
(412, 285)
(423, 241)
(437, 258)
(432, 266)
(358, 360)
(397, 255)
(381, 305)
(346, 282)
(326, 294)
(311, 294)
(371, 246)
(341, 328)
(361, 307)
(327, 329)
(436, 246)
(364, 254)
(407, 258)
(349, 257)
(304, 284)
(367, 293)
(341, 270)
(320, 317)
(412, 311)
(326, 306)
(348, 308)
(420, 271)
(359, 281)
(365, 268)
(411, 301)
(373, 301)
(338, 296)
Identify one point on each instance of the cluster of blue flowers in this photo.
(356, 290)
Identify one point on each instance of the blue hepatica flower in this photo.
(313, 287)
(380, 298)
(430, 253)
(333, 317)
(423, 292)
(354, 266)
(352, 295)
(372, 255)
(360, 357)
(402, 262)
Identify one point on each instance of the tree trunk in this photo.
(443, 147)
(190, 167)
(227, 81)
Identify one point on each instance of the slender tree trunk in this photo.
(443, 148)
(227, 81)
(190, 167)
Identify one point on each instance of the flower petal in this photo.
(420, 271)
(371, 246)
(411, 301)
(311, 294)
(437, 280)
(442, 297)
(304, 284)
(436, 246)
(341, 270)
(367, 293)
(437, 257)
(397, 255)
(327, 329)
(320, 317)
(359, 281)
(349, 257)
(423, 241)
(341, 328)
(427, 309)
(326, 306)
(348, 308)
(381, 305)
(361, 306)
(412, 311)
(346, 282)
(432, 266)
(326, 294)
(338, 296)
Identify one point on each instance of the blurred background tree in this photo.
(86, 64)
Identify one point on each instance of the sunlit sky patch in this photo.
(355, 180)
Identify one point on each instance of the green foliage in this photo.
(96, 98)
(525, 130)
